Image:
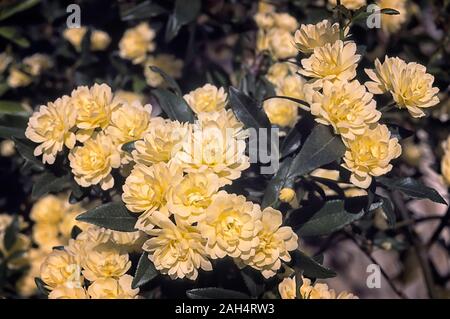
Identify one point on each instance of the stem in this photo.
(440, 228)
(341, 22)
(388, 107)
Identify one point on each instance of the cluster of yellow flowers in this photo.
(445, 163)
(24, 73)
(94, 265)
(288, 290)
(99, 40)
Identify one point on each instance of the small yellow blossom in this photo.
(51, 127)
(207, 98)
(281, 43)
(445, 163)
(112, 288)
(99, 40)
(176, 249)
(61, 269)
(285, 21)
(136, 42)
(279, 71)
(332, 61)
(281, 112)
(287, 195)
(370, 154)
(18, 78)
(393, 23)
(321, 291)
(230, 226)
(349, 4)
(26, 286)
(166, 62)
(49, 209)
(311, 36)
(288, 288)
(63, 292)
(37, 63)
(92, 163)
(129, 97)
(46, 236)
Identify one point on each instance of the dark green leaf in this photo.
(247, 111)
(399, 132)
(11, 107)
(128, 147)
(169, 80)
(174, 106)
(145, 271)
(388, 209)
(75, 232)
(8, 132)
(279, 181)
(113, 216)
(11, 232)
(291, 142)
(17, 7)
(41, 286)
(49, 183)
(13, 34)
(311, 268)
(389, 11)
(184, 13)
(144, 10)
(254, 281)
(412, 188)
(215, 293)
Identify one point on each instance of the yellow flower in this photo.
(207, 98)
(287, 195)
(99, 40)
(94, 107)
(68, 222)
(92, 163)
(288, 288)
(104, 261)
(167, 63)
(136, 42)
(215, 144)
(346, 106)
(349, 4)
(281, 112)
(128, 241)
(275, 242)
(265, 7)
(291, 86)
(176, 249)
(189, 198)
(46, 236)
(26, 286)
(37, 63)
(279, 71)
(161, 142)
(7, 148)
(112, 288)
(49, 209)
(369, 154)
(262, 41)
(129, 97)
(18, 78)
(281, 44)
(285, 21)
(311, 36)
(63, 292)
(51, 127)
(264, 20)
(392, 23)
(321, 291)
(445, 163)
(145, 189)
(332, 61)
(409, 83)
(129, 123)
(61, 269)
(230, 226)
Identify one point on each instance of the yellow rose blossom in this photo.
(61, 269)
(18, 78)
(264, 20)
(288, 288)
(281, 43)
(129, 97)
(166, 62)
(26, 285)
(332, 61)
(226, 120)
(349, 189)
(129, 123)
(409, 83)
(7, 148)
(321, 291)
(104, 261)
(207, 98)
(63, 292)
(215, 146)
(176, 249)
(189, 198)
(51, 127)
(285, 21)
(94, 107)
(92, 163)
(230, 226)
(145, 189)
(49, 209)
(262, 41)
(287, 195)
(279, 71)
(128, 241)
(99, 40)
(68, 223)
(281, 112)
(291, 86)
(346, 106)
(445, 162)
(265, 7)
(37, 63)
(392, 23)
(370, 154)
(112, 288)
(163, 139)
(275, 242)
(46, 236)
(349, 4)
(136, 42)
(311, 36)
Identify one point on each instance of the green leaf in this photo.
(291, 142)
(41, 286)
(389, 11)
(145, 271)
(27, 152)
(254, 281)
(13, 34)
(388, 209)
(8, 132)
(411, 187)
(128, 147)
(11, 107)
(49, 183)
(399, 132)
(320, 148)
(11, 232)
(331, 217)
(311, 268)
(13, 125)
(174, 106)
(215, 293)
(169, 80)
(184, 13)
(75, 232)
(112, 215)
(279, 181)
(16, 8)
(144, 10)
(247, 111)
